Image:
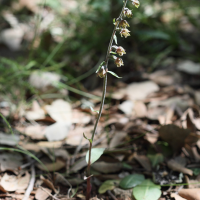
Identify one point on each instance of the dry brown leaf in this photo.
(106, 167)
(174, 135)
(57, 131)
(140, 109)
(176, 166)
(36, 132)
(36, 112)
(8, 139)
(144, 161)
(79, 117)
(10, 161)
(117, 138)
(177, 197)
(48, 183)
(41, 194)
(55, 166)
(60, 111)
(56, 144)
(13, 183)
(190, 194)
(126, 107)
(151, 137)
(123, 194)
(75, 137)
(79, 164)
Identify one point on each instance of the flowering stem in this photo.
(102, 103)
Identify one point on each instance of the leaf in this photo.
(114, 74)
(131, 181)
(100, 66)
(107, 185)
(95, 154)
(155, 159)
(87, 138)
(114, 21)
(147, 190)
(113, 52)
(115, 38)
(91, 108)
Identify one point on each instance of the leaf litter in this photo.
(143, 130)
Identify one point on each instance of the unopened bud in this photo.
(127, 13)
(124, 32)
(123, 24)
(102, 72)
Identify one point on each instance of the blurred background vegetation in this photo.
(70, 37)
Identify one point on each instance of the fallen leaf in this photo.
(174, 165)
(8, 139)
(126, 107)
(189, 67)
(36, 132)
(35, 113)
(57, 131)
(144, 161)
(10, 161)
(190, 194)
(48, 183)
(13, 183)
(41, 194)
(177, 197)
(117, 138)
(123, 194)
(174, 135)
(43, 80)
(60, 111)
(55, 166)
(106, 167)
(140, 109)
(136, 91)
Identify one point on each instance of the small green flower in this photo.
(102, 72)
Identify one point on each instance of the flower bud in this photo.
(123, 24)
(102, 72)
(127, 13)
(120, 51)
(136, 3)
(124, 32)
(119, 62)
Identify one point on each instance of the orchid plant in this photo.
(120, 25)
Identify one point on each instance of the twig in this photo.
(111, 194)
(48, 193)
(31, 184)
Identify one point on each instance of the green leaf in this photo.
(155, 159)
(113, 52)
(196, 171)
(95, 154)
(147, 190)
(114, 74)
(87, 138)
(115, 38)
(114, 21)
(131, 181)
(91, 108)
(107, 185)
(103, 63)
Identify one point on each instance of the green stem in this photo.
(102, 104)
